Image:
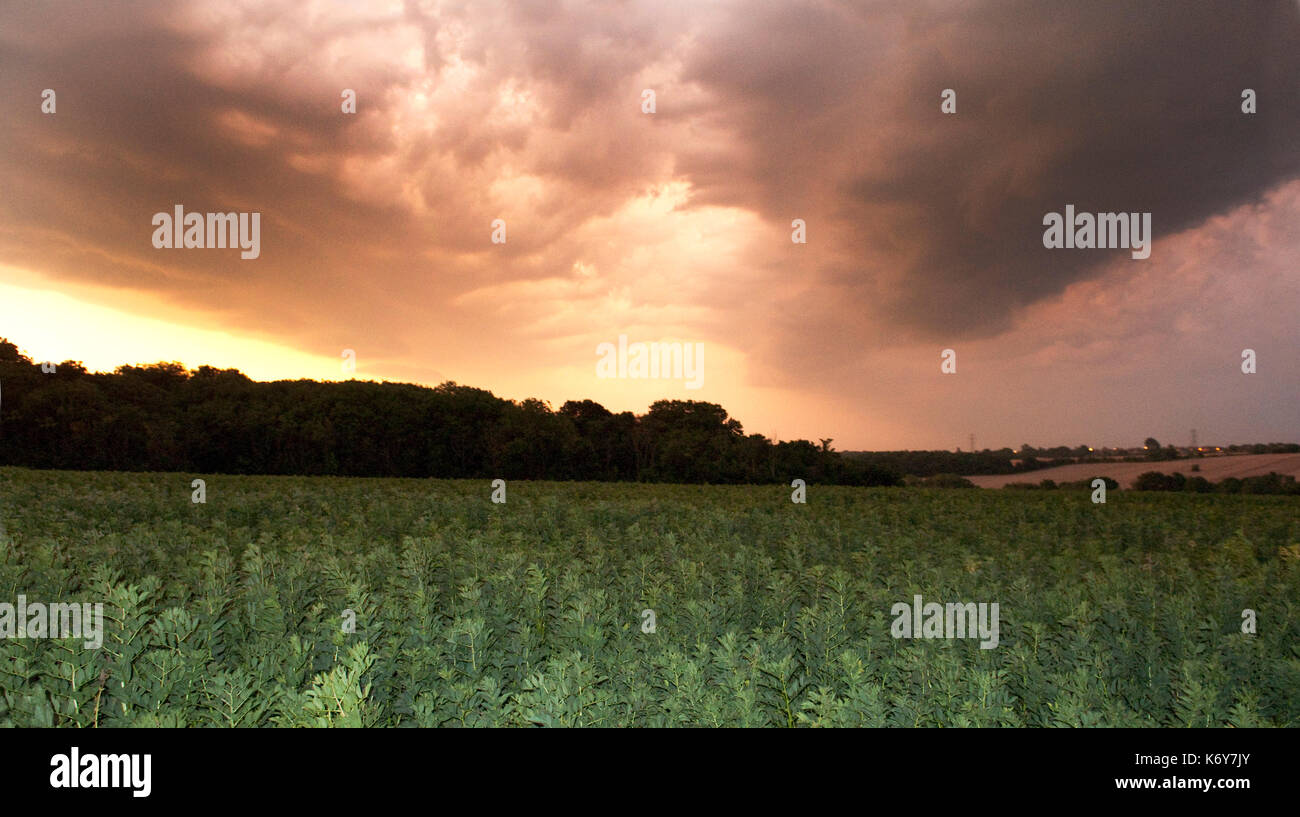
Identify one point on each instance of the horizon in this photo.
(1220, 447)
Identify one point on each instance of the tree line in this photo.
(1270, 483)
(162, 417)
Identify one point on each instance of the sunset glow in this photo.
(922, 227)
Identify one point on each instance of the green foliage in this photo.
(768, 613)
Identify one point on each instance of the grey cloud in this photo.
(1110, 108)
(920, 224)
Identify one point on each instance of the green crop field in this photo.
(287, 601)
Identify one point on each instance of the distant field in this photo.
(317, 601)
(1125, 473)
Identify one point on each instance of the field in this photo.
(766, 612)
(1212, 468)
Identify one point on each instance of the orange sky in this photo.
(924, 229)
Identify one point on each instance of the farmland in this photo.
(321, 601)
(1213, 469)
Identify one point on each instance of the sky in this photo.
(924, 228)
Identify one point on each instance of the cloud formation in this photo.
(923, 228)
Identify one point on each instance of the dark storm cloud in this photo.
(935, 221)
(918, 222)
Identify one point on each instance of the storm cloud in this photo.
(924, 228)
(934, 221)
